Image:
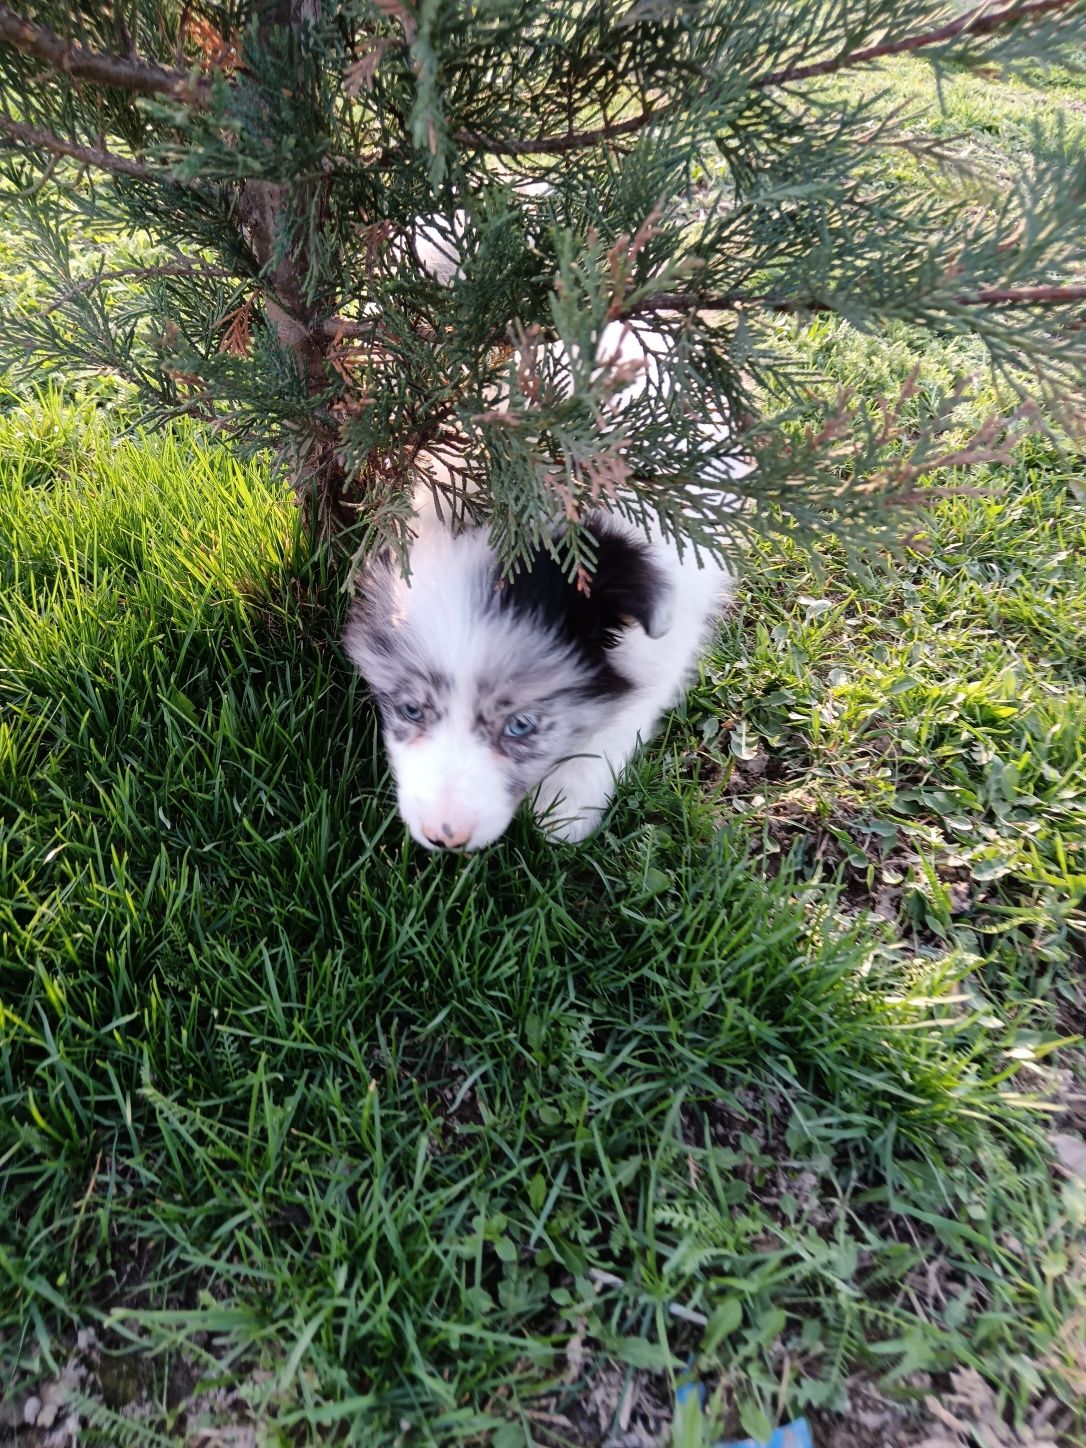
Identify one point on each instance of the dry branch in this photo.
(142, 77)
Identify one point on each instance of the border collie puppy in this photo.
(494, 691)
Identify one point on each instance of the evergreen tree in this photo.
(689, 163)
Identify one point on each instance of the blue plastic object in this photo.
(690, 1390)
(791, 1435)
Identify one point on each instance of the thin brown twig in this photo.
(86, 1198)
(733, 301)
(39, 140)
(337, 329)
(559, 145)
(142, 77)
(340, 329)
(1023, 296)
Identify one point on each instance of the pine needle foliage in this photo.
(290, 168)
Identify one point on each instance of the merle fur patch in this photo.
(625, 585)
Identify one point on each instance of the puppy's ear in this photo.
(627, 585)
(369, 639)
(358, 635)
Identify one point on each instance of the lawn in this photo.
(773, 1083)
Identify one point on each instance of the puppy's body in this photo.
(493, 691)
(658, 663)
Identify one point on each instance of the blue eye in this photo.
(519, 726)
(411, 712)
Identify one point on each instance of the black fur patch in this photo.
(625, 585)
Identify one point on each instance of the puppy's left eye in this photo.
(411, 712)
(519, 726)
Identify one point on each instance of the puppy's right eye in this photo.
(413, 713)
(519, 726)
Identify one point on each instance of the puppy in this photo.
(494, 691)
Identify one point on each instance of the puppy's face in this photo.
(485, 687)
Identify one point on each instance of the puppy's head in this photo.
(485, 686)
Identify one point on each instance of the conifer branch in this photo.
(141, 77)
(338, 329)
(729, 302)
(327, 337)
(980, 21)
(37, 140)
(190, 268)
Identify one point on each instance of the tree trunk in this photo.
(263, 207)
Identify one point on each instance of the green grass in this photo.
(372, 1117)
(930, 722)
(289, 1106)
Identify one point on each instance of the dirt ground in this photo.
(99, 1398)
